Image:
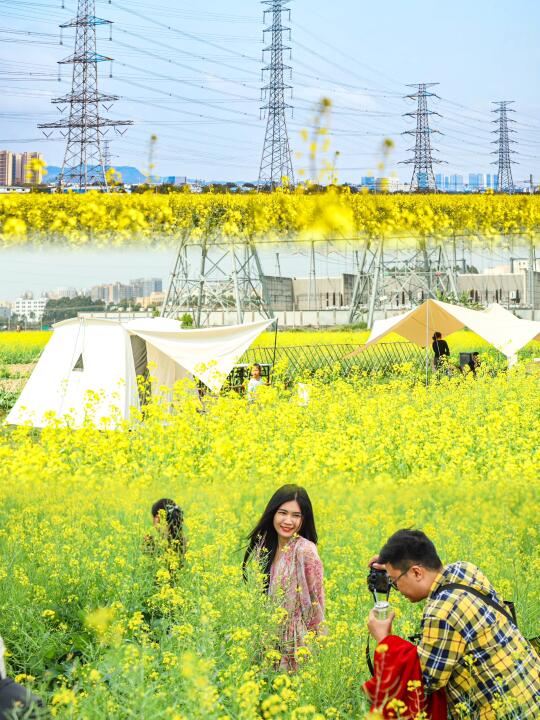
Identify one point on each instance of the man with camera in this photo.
(469, 644)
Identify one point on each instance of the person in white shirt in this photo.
(256, 380)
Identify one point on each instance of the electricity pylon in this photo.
(85, 126)
(423, 179)
(276, 163)
(504, 161)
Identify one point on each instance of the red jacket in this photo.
(396, 689)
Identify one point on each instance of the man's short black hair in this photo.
(410, 547)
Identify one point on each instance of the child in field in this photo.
(284, 541)
(168, 519)
(256, 380)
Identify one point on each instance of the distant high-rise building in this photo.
(31, 172)
(143, 287)
(64, 292)
(19, 168)
(476, 182)
(6, 167)
(456, 183)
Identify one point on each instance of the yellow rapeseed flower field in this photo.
(113, 219)
(104, 629)
(22, 347)
(26, 346)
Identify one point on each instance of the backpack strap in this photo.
(509, 615)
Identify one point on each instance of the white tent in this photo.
(93, 362)
(496, 325)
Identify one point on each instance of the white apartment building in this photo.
(30, 308)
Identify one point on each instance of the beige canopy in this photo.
(497, 326)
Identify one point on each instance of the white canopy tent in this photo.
(497, 326)
(96, 362)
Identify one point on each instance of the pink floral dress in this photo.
(296, 582)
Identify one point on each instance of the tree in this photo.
(65, 308)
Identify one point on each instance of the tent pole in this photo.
(427, 341)
(275, 344)
(532, 268)
(375, 287)
(238, 300)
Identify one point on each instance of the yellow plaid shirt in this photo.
(488, 669)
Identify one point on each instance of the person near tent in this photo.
(469, 644)
(441, 351)
(256, 380)
(471, 361)
(284, 543)
(474, 362)
(168, 520)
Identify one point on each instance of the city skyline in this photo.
(207, 64)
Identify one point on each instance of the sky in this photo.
(190, 73)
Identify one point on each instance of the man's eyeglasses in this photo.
(394, 581)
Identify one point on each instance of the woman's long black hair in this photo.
(264, 535)
(175, 521)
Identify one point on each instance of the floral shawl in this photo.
(296, 582)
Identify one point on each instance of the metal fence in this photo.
(382, 357)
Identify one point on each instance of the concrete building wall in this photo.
(280, 291)
(508, 289)
(329, 292)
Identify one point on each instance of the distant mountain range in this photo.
(133, 176)
(130, 175)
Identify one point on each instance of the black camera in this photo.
(378, 582)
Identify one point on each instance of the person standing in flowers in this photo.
(168, 520)
(470, 644)
(441, 351)
(284, 541)
(256, 380)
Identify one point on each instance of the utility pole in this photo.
(107, 155)
(423, 179)
(530, 182)
(313, 303)
(85, 126)
(532, 278)
(505, 183)
(276, 162)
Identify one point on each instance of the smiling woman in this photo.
(284, 541)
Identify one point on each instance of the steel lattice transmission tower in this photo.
(84, 127)
(217, 282)
(423, 179)
(276, 160)
(504, 161)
